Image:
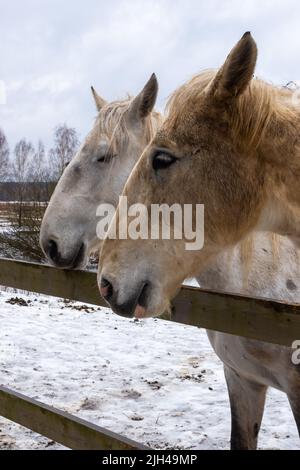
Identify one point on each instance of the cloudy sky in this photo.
(52, 51)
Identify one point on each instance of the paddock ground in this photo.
(156, 382)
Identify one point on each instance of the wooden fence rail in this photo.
(259, 319)
(60, 426)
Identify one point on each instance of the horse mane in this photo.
(251, 114)
(112, 121)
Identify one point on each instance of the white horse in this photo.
(97, 174)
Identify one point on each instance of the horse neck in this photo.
(279, 156)
(269, 276)
(270, 270)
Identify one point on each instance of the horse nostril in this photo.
(106, 289)
(52, 250)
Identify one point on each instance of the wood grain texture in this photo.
(59, 426)
(260, 319)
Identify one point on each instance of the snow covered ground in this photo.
(156, 382)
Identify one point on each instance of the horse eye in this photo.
(106, 158)
(162, 160)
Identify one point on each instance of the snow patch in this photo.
(154, 381)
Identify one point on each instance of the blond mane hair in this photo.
(251, 114)
(112, 120)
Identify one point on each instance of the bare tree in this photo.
(21, 166)
(65, 146)
(38, 168)
(4, 157)
(21, 238)
(38, 173)
(22, 242)
(33, 175)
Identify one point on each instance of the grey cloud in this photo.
(52, 52)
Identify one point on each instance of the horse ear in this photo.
(100, 102)
(236, 73)
(144, 102)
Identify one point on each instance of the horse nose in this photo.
(132, 303)
(52, 251)
(62, 256)
(106, 289)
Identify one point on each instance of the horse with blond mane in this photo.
(231, 143)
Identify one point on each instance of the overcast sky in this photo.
(53, 50)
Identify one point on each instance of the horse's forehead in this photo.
(98, 138)
(103, 143)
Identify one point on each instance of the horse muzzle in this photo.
(133, 304)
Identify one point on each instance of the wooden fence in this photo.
(259, 319)
(59, 426)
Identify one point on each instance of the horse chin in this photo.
(90, 248)
(81, 259)
(141, 314)
(94, 246)
(153, 309)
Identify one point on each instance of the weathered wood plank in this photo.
(59, 426)
(259, 319)
(44, 279)
(255, 318)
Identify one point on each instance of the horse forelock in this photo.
(112, 121)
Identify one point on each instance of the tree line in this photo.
(28, 175)
(32, 164)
